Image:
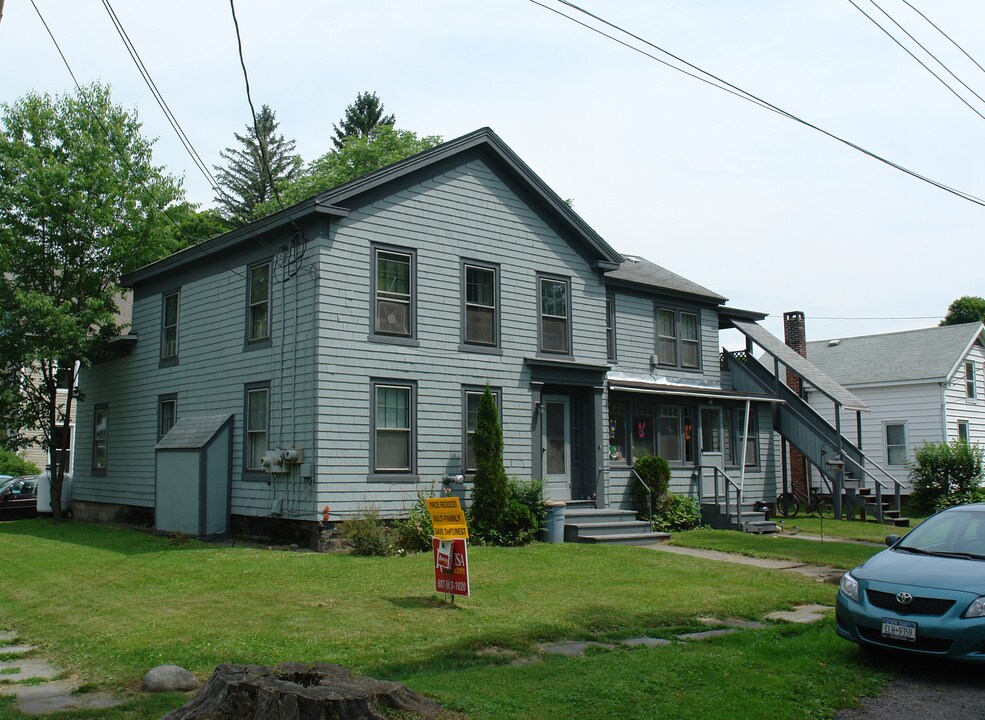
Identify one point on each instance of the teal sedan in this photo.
(925, 594)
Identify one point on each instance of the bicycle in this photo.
(788, 503)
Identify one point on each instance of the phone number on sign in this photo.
(452, 585)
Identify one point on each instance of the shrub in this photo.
(943, 469)
(490, 486)
(414, 534)
(13, 464)
(530, 493)
(677, 513)
(975, 496)
(517, 526)
(368, 534)
(655, 472)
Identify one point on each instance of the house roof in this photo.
(926, 354)
(639, 271)
(331, 203)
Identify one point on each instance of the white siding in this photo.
(960, 406)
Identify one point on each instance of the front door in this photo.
(557, 447)
(712, 450)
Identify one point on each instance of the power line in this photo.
(921, 62)
(931, 23)
(165, 108)
(126, 161)
(762, 103)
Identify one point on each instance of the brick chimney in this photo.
(795, 336)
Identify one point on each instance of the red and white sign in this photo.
(451, 566)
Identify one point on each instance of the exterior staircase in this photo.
(866, 501)
(723, 517)
(614, 527)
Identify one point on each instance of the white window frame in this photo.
(904, 445)
(390, 295)
(410, 430)
(476, 305)
(254, 305)
(565, 319)
(251, 464)
(970, 380)
(169, 331)
(964, 429)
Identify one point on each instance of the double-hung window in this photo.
(964, 433)
(167, 414)
(473, 396)
(258, 320)
(394, 287)
(752, 439)
(100, 438)
(670, 436)
(610, 328)
(257, 420)
(481, 311)
(555, 315)
(970, 388)
(678, 339)
(169, 326)
(895, 444)
(393, 427)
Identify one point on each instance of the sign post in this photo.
(449, 547)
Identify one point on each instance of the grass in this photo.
(109, 604)
(831, 552)
(846, 529)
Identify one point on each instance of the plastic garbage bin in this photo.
(553, 529)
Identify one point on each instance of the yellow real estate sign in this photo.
(447, 517)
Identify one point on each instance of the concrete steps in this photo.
(614, 527)
(748, 520)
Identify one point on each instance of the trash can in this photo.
(553, 529)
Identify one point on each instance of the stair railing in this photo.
(880, 485)
(727, 485)
(649, 494)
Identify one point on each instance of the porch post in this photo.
(601, 448)
(536, 430)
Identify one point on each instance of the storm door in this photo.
(557, 447)
(712, 448)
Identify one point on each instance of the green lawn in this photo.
(110, 603)
(846, 529)
(830, 552)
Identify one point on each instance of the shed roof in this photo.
(192, 433)
(911, 355)
(640, 271)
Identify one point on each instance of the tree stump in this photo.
(296, 691)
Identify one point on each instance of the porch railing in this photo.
(724, 488)
(649, 493)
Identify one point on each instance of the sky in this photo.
(765, 211)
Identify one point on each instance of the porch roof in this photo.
(666, 388)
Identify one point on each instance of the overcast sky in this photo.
(769, 213)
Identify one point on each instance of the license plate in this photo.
(899, 629)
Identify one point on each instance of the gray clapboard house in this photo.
(348, 339)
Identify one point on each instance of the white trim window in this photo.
(394, 293)
(259, 302)
(894, 435)
(970, 381)
(480, 305)
(257, 420)
(393, 431)
(555, 319)
(169, 326)
(964, 432)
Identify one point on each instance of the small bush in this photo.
(677, 513)
(517, 526)
(13, 464)
(414, 534)
(946, 501)
(940, 470)
(368, 534)
(530, 493)
(655, 472)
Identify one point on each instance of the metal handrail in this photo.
(880, 486)
(649, 493)
(729, 482)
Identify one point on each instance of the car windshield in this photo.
(958, 531)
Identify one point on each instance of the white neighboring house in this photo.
(920, 385)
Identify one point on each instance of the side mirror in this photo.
(892, 540)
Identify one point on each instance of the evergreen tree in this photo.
(490, 486)
(361, 119)
(245, 180)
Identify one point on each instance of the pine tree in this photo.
(490, 486)
(245, 181)
(361, 119)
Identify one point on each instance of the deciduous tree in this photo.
(966, 309)
(80, 204)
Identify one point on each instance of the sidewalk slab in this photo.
(16, 649)
(803, 614)
(707, 634)
(8, 635)
(28, 669)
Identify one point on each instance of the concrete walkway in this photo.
(20, 674)
(818, 572)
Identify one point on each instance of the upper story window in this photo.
(678, 339)
(610, 328)
(259, 303)
(555, 316)
(394, 288)
(169, 326)
(895, 443)
(393, 428)
(257, 419)
(971, 391)
(481, 312)
(100, 437)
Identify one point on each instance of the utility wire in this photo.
(126, 161)
(931, 23)
(921, 62)
(299, 241)
(770, 106)
(152, 86)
